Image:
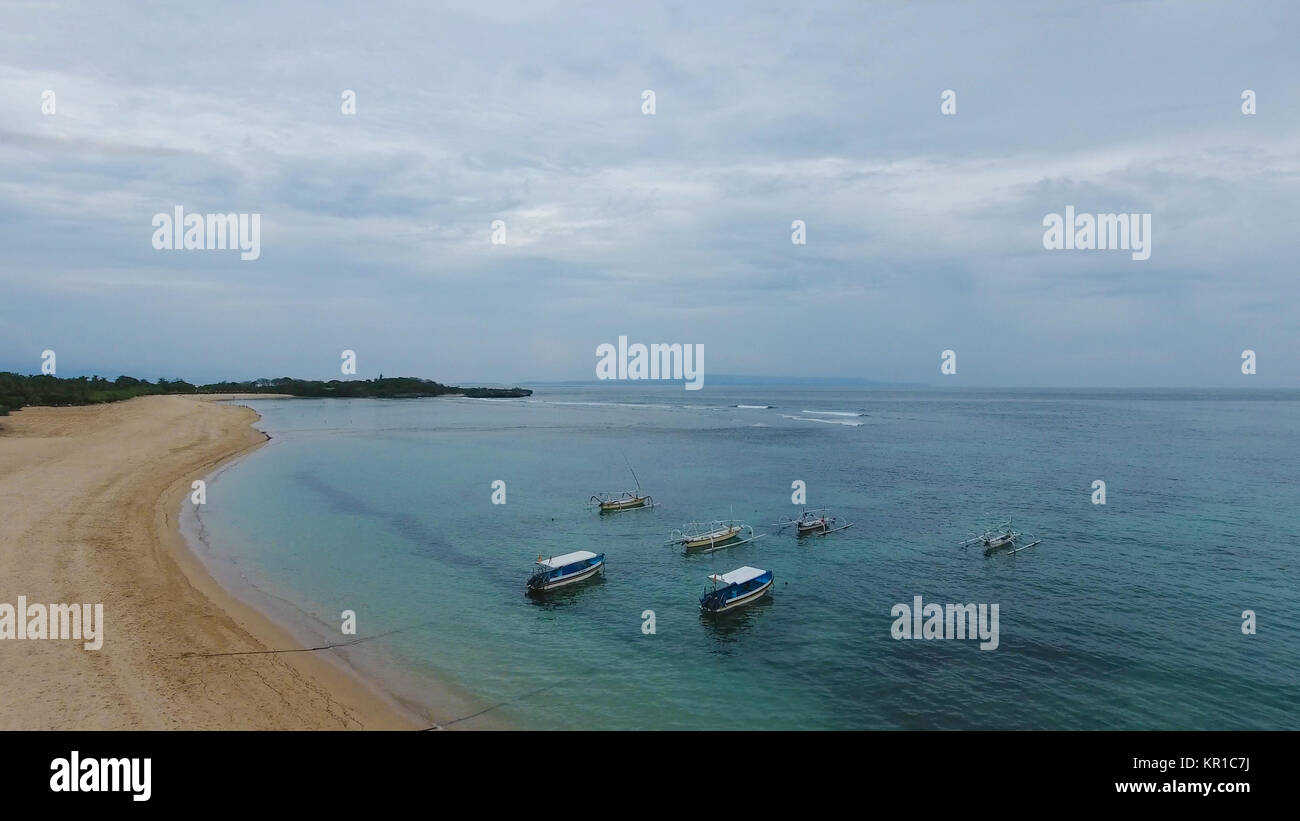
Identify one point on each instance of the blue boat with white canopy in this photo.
(559, 571)
(738, 588)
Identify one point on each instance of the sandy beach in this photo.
(88, 514)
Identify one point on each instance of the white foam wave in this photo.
(827, 421)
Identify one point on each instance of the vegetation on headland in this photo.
(17, 391)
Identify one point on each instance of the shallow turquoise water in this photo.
(1127, 616)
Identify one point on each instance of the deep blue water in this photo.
(1128, 615)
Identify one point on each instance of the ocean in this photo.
(1128, 614)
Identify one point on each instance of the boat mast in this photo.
(633, 472)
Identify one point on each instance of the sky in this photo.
(924, 230)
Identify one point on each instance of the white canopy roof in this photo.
(738, 576)
(567, 558)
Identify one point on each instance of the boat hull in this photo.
(741, 600)
(1000, 542)
(712, 539)
(540, 587)
(622, 504)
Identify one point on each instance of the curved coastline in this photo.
(365, 706)
(278, 622)
(89, 497)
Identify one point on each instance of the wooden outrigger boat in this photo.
(619, 501)
(561, 571)
(615, 502)
(707, 536)
(818, 521)
(742, 586)
(1001, 537)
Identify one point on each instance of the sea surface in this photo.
(1128, 615)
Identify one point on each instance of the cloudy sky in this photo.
(924, 231)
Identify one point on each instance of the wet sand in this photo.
(88, 514)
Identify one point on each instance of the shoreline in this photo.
(417, 700)
(89, 504)
(339, 678)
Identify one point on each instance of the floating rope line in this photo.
(331, 646)
(309, 649)
(521, 697)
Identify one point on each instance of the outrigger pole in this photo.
(633, 472)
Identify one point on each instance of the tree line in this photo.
(17, 390)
